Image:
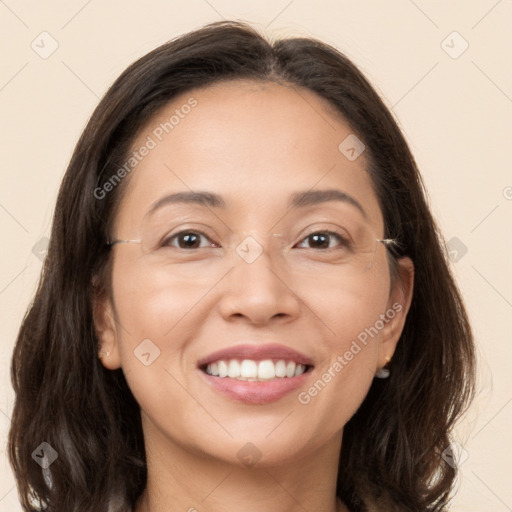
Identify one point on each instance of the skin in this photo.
(254, 144)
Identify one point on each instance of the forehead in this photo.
(253, 143)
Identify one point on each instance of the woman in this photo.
(246, 302)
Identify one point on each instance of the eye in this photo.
(187, 239)
(321, 239)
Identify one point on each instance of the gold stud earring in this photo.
(101, 354)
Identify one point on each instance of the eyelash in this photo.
(341, 238)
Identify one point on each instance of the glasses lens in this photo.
(345, 248)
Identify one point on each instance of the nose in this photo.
(258, 289)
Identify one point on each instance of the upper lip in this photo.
(257, 353)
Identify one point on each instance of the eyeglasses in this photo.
(341, 249)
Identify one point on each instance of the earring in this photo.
(101, 354)
(383, 373)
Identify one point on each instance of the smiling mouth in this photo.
(254, 370)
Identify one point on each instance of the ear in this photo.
(106, 330)
(399, 302)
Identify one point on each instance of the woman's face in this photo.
(251, 271)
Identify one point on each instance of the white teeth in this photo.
(233, 369)
(280, 369)
(299, 370)
(290, 369)
(248, 369)
(223, 368)
(255, 370)
(266, 370)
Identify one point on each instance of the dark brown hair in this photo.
(392, 447)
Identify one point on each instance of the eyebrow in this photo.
(297, 200)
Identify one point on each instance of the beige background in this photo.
(455, 113)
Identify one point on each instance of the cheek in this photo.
(152, 311)
(351, 316)
(150, 304)
(159, 312)
(346, 307)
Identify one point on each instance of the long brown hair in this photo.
(392, 447)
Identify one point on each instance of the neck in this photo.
(181, 480)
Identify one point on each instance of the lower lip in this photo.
(256, 392)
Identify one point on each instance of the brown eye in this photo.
(187, 240)
(322, 239)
